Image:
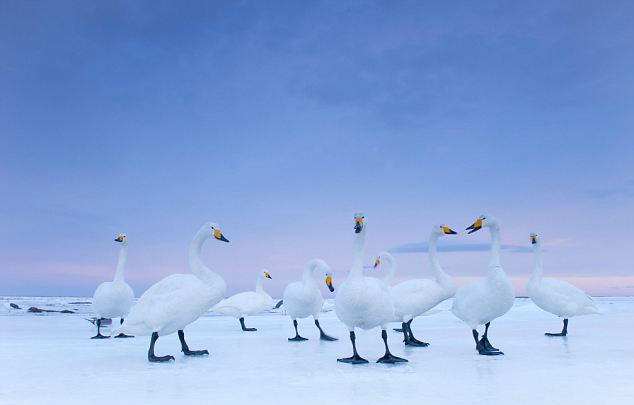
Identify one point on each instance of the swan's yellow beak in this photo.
(448, 231)
(477, 225)
(267, 275)
(329, 283)
(120, 238)
(218, 235)
(533, 238)
(377, 262)
(358, 223)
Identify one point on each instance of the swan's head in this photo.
(122, 239)
(328, 275)
(534, 239)
(383, 257)
(482, 221)
(359, 222)
(265, 273)
(214, 231)
(441, 229)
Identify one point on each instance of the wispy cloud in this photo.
(608, 192)
(457, 247)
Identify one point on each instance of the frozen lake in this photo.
(49, 359)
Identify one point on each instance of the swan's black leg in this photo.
(403, 329)
(150, 354)
(480, 346)
(355, 358)
(123, 335)
(185, 348)
(410, 339)
(322, 334)
(297, 338)
(244, 328)
(99, 335)
(564, 331)
(389, 357)
(485, 339)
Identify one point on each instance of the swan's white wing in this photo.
(569, 299)
(175, 301)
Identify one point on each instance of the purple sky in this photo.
(279, 119)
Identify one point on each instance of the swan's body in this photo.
(364, 302)
(303, 298)
(113, 299)
(481, 301)
(247, 303)
(555, 296)
(413, 298)
(178, 300)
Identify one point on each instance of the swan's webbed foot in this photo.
(487, 345)
(195, 352)
(150, 354)
(297, 338)
(399, 330)
(485, 352)
(410, 340)
(322, 334)
(354, 359)
(564, 331)
(244, 328)
(389, 358)
(415, 343)
(100, 336)
(123, 335)
(185, 348)
(159, 359)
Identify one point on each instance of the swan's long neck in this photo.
(196, 264)
(391, 269)
(259, 288)
(538, 270)
(356, 267)
(495, 247)
(119, 275)
(308, 277)
(441, 277)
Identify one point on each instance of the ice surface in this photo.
(49, 359)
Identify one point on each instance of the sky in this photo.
(279, 119)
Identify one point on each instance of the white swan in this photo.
(413, 298)
(247, 303)
(113, 299)
(178, 300)
(303, 299)
(481, 301)
(364, 302)
(555, 296)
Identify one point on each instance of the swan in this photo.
(556, 296)
(483, 300)
(247, 303)
(413, 298)
(113, 299)
(303, 298)
(364, 302)
(178, 300)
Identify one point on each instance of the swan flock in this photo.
(362, 301)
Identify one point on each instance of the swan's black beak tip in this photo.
(331, 288)
(358, 227)
(223, 239)
(452, 232)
